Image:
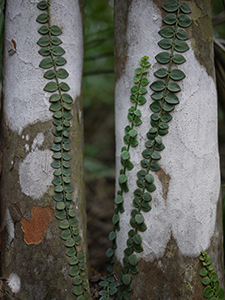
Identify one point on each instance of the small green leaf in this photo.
(58, 197)
(57, 181)
(54, 97)
(145, 206)
(161, 73)
(51, 86)
(45, 51)
(132, 259)
(168, 107)
(59, 189)
(166, 117)
(77, 240)
(181, 46)
(55, 30)
(141, 100)
(165, 44)
(43, 29)
(155, 116)
(126, 279)
(112, 235)
(185, 8)
(149, 178)
(66, 234)
(46, 63)
(184, 21)
(208, 292)
(138, 71)
(73, 222)
(150, 187)
(118, 200)
(139, 218)
(167, 32)
(42, 18)
(178, 59)
(177, 74)
(203, 272)
(56, 41)
(43, 41)
(55, 107)
(42, 5)
(142, 91)
(206, 280)
(163, 57)
(64, 86)
(157, 85)
(72, 213)
(50, 74)
(77, 279)
(64, 224)
(142, 227)
(61, 215)
(155, 166)
(122, 178)
(171, 98)
(214, 276)
(125, 155)
(60, 61)
(182, 35)
(170, 6)
(71, 252)
(144, 81)
(155, 155)
(62, 73)
(173, 87)
(57, 50)
(170, 19)
(220, 294)
(155, 107)
(56, 164)
(157, 96)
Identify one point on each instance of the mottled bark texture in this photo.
(31, 246)
(169, 266)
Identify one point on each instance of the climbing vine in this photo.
(53, 63)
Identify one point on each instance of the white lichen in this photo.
(14, 283)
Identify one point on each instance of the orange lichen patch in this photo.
(34, 230)
(14, 44)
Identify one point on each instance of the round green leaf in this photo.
(163, 57)
(64, 86)
(66, 234)
(141, 174)
(42, 5)
(72, 213)
(163, 126)
(56, 164)
(66, 156)
(45, 51)
(42, 18)
(59, 189)
(51, 86)
(77, 279)
(61, 215)
(57, 50)
(178, 59)
(126, 279)
(55, 30)
(78, 290)
(155, 166)
(70, 243)
(147, 197)
(168, 107)
(185, 8)
(206, 280)
(208, 292)
(181, 46)
(109, 252)
(139, 218)
(165, 44)
(167, 32)
(182, 35)
(214, 276)
(43, 29)
(54, 97)
(184, 21)
(170, 19)
(122, 178)
(46, 63)
(43, 41)
(141, 100)
(203, 272)
(57, 181)
(60, 61)
(171, 98)
(112, 235)
(170, 6)
(125, 155)
(132, 259)
(62, 73)
(71, 252)
(77, 240)
(173, 87)
(55, 107)
(64, 224)
(220, 294)
(58, 197)
(157, 85)
(73, 222)
(138, 71)
(142, 91)
(161, 73)
(50, 74)
(144, 81)
(177, 74)
(155, 155)
(157, 96)
(155, 107)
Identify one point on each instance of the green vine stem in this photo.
(212, 290)
(164, 102)
(60, 106)
(130, 140)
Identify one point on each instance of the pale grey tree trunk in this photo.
(33, 250)
(186, 208)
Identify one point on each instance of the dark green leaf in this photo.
(59, 189)
(56, 41)
(155, 116)
(161, 73)
(60, 61)
(178, 59)
(167, 32)
(50, 74)
(163, 57)
(43, 29)
(57, 50)
(112, 235)
(125, 155)
(43, 41)
(77, 279)
(165, 44)
(64, 224)
(181, 46)
(220, 294)
(168, 107)
(77, 290)
(170, 6)
(56, 164)
(214, 276)
(157, 96)
(157, 85)
(57, 181)
(171, 98)
(55, 107)
(144, 81)
(206, 280)
(42, 5)
(65, 235)
(77, 240)
(142, 91)
(203, 272)
(163, 126)
(142, 227)
(64, 86)
(67, 98)
(46, 63)
(126, 279)
(147, 197)
(45, 51)
(181, 35)
(61, 215)
(155, 155)
(55, 30)
(73, 222)
(184, 21)
(141, 100)
(74, 270)
(208, 292)
(155, 107)
(58, 197)
(170, 19)
(71, 252)
(145, 206)
(54, 97)
(42, 18)
(122, 178)
(144, 163)
(62, 73)
(173, 87)
(139, 219)
(177, 74)
(155, 166)
(166, 117)
(72, 213)
(51, 86)
(132, 259)
(138, 71)
(66, 156)
(185, 8)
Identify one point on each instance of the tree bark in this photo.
(186, 207)
(31, 244)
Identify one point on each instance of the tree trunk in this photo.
(31, 246)
(185, 218)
